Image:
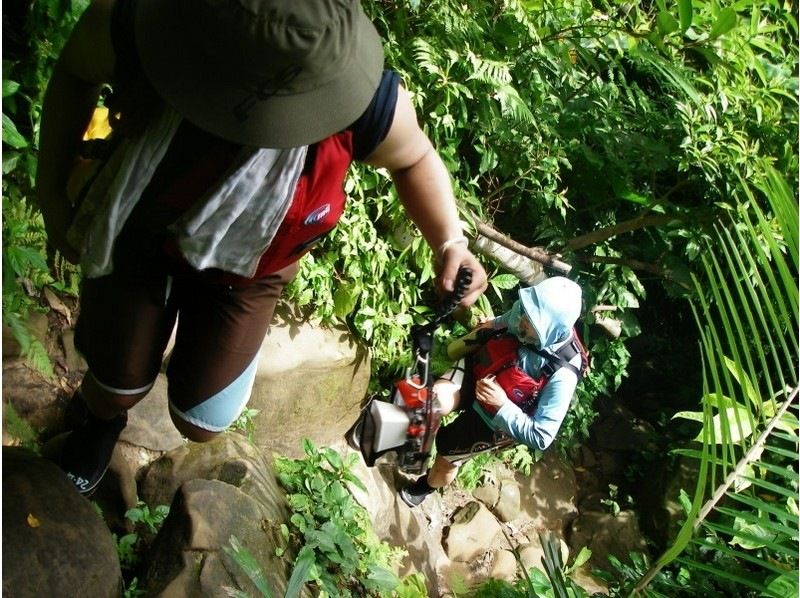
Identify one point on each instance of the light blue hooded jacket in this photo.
(553, 306)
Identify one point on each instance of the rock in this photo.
(38, 325)
(488, 494)
(547, 496)
(593, 585)
(310, 383)
(593, 502)
(188, 556)
(606, 535)
(471, 533)
(418, 531)
(658, 501)
(508, 505)
(622, 431)
(588, 459)
(504, 566)
(531, 554)
(54, 542)
(35, 400)
(454, 575)
(149, 423)
(229, 458)
(74, 360)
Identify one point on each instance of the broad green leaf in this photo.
(742, 483)
(9, 88)
(344, 300)
(11, 136)
(10, 161)
(725, 22)
(730, 432)
(685, 14)
(784, 585)
(300, 574)
(750, 536)
(666, 23)
(696, 416)
(333, 458)
(748, 388)
(380, 578)
(584, 555)
(504, 281)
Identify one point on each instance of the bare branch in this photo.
(603, 234)
(535, 253)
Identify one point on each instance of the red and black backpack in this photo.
(497, 356)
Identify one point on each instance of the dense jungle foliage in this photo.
(646, 143)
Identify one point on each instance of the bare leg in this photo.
(442, 473)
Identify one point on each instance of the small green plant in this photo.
(132, 589)
(553, 582)
(337, 550)
(19, 429)
(246, 423)
(612, 503)
(478, 470)
(141, 514)
(130, 546)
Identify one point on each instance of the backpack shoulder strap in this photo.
(561, 358)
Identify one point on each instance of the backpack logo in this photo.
(317, 215)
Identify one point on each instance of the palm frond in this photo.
(747, 313)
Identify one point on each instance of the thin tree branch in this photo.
(627, 226)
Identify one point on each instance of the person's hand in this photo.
(490, 393)
(484, 322)
(452, 258)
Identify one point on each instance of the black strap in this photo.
(561, 359)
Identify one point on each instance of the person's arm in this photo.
(540, 429)
(424, 187)
(86, 62)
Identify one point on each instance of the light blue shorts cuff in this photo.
(218, 412)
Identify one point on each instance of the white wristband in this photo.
(448, 244)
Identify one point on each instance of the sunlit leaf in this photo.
(725, 22)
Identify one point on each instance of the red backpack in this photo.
(498, 356)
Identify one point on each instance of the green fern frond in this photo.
(492, 72)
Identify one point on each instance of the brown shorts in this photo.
(127, 317)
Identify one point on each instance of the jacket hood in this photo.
(553, 306)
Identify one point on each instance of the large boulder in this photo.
(192, 552)
(229, 458)
(54, 542)
(417, 531)
(218, 490)
(310, 383)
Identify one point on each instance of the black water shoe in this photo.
(414, 494)
(87, 450)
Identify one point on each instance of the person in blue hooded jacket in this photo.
(542, 320)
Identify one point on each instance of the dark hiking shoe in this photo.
(87, 451)
(77, 413)
(417, 492)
